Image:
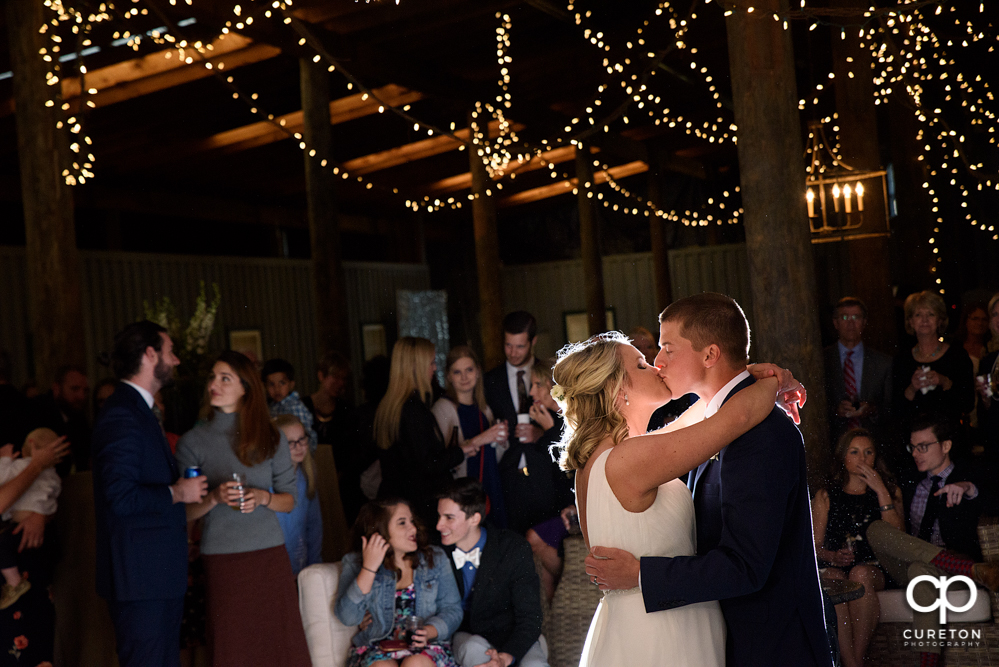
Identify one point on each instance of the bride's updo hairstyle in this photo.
(588, 377)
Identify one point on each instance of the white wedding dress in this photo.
(621, 633)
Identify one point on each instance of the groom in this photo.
(755, 549)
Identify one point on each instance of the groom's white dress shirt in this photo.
(716, 401)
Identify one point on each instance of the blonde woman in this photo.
(416, 463)
(932, 376)
(303, 526)
(629, 499)
(464, 417)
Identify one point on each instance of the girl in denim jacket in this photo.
(394, 575)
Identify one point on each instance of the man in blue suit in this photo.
(139, 501)
(755, 551)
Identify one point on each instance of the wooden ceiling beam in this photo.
(565, 187)
(417, 150)
(464, 181)
(157, 71)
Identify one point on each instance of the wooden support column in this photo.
(785, 320)
(324, 225)
(657, 235)
(867, 260)
(487, 259)
(53, 262)
(589, 233)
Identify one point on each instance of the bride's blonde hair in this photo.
(588, 377)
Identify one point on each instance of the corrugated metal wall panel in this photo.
(273, 295)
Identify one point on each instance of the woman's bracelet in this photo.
(269, 496)
(887, 508)
(369, 570)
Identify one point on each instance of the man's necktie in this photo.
(460, 558)
(930, 515)
(850, 381)
(523, 400)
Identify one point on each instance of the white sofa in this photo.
(328, 638)
(895, 608)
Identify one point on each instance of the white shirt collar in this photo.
(146, 396)
(716, 401)
(511, 370)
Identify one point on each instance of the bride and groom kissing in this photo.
(738, 587)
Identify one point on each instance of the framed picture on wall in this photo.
(248, 342)
(576, 327)
(373, 340)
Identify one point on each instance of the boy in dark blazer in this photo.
(494, 569)
(139, 502)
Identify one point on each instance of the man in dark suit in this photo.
(499, 586)
(858, 378)
(942, 526)
(508, 386)
(63, 409)
(139, 503)
(755, 550)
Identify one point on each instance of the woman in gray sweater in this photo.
(252, 606)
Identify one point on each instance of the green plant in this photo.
(190, 343)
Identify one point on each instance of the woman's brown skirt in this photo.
(252, 610)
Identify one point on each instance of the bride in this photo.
(628, 495)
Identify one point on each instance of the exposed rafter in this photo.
(565, 187)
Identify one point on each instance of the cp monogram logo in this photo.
(942, 603)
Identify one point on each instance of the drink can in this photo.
(192, 471)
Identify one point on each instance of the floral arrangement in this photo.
(190, 343)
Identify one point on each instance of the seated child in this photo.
(40, 498)
(279, 379)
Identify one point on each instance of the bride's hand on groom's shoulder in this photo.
(791, 393)
(612, 569)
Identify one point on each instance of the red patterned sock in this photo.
(950, 562)
(929, 659)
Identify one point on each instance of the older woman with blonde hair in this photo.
(932, 376)
(416, 461)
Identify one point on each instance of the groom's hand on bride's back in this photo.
(612, 569)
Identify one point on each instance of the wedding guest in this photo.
(102, 392)
(246, 565)
(508, 386)
(279, 380)
(941, 535)
(62, 409)
(863, 490)
(932, 376)
(466, 420)
(364, 485)
(30, 621)
(645, 342)
(394, 575)
(988, 373)
(416, 462)
(502, 623)
(538, 493)
(973, 331)
(141, 532)
(303, 526)
(858, 378)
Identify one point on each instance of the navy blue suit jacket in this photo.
(141, 533)
(755, 551)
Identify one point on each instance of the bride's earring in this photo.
(626, 401)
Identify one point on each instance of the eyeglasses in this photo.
(301, 442)
(850, 318)
(922, 447)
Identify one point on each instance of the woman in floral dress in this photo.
(394, 575)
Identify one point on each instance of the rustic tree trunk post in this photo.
(53, 262)
(781, 265)
(867, 265)
(657, 235)
(486, 250)
(324, 227)
(589, 233)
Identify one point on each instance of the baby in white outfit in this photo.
(40, 498)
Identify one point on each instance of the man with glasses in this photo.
(858, 378)
(942, 523)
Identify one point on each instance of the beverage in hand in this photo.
(240, 484)
(413, 623)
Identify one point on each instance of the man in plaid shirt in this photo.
(279, 378)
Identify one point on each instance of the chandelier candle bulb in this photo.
(860, 197)
(810, 198)
(848, 198)
(835, 194)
